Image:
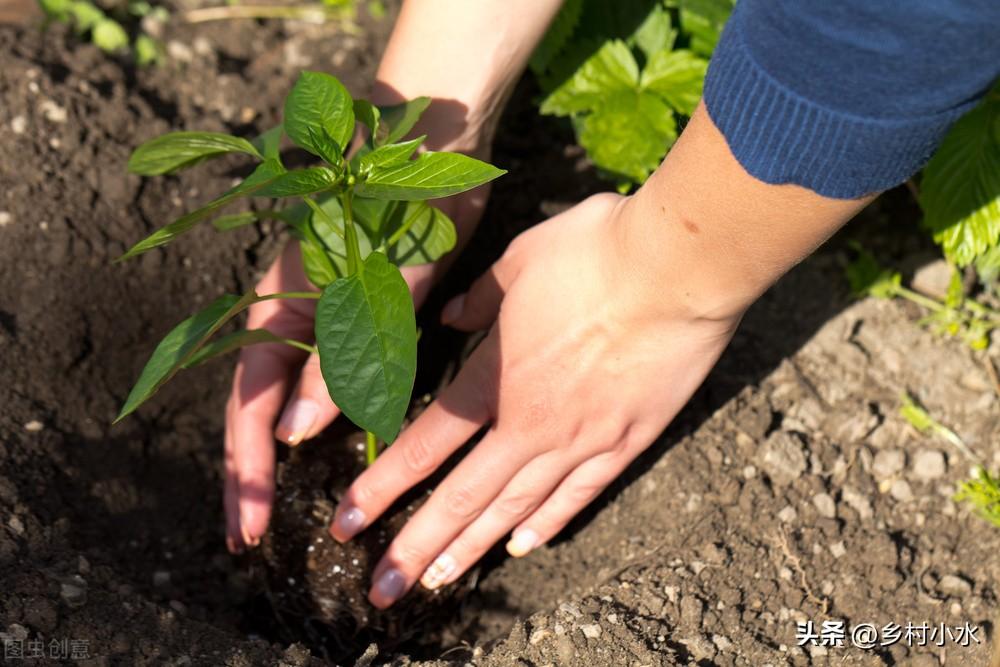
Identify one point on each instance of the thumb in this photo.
(309, 409)
(477, 309)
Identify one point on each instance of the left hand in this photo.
(587, 360)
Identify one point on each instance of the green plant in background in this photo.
(960, 190)
(982, 492)
(108, 30)
(956, 315)
(626, 74)
(357, 221)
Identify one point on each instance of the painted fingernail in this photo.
(297, 420)
(439, 571)
(390, 585)
(349, 523)
(453, 309)
(522, 542)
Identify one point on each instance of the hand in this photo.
(275, 379)
(585, 364)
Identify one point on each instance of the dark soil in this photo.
(788, 490)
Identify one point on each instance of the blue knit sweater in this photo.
(848, 97)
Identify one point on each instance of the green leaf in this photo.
(268, 143)
(655, 33)
(179, 150)
(225, 223)
(299, 182)
(430, 176)
(677, 77)
(612, 69)
(230, 342)
(55, 9)
(429, 235)
(558, 34)
(400, 118)
(960, 189)
(389, 155)
(264, 173)
(629, 134)
(366, 333)
(178, 346)
(108, 35)
(148, 51)
(369, 114)
(703, 20)
(868, 278)
(85, 15)
(317, 264)
(319, 102)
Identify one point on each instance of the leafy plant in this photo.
(957, 315)
(108, 31)
(358, 220)
(626, 76)
(960, 189)
(983, 493)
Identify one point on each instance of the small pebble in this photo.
(929, 464)
(18, 124)
(4, 218)
(52, 112)
(787, 514)
(887, 463)
(161, 578)
(34, 426)
(825, 505)
(591, 630)
(749, 472)
(74, 593)
(954, 585)
(16, 525)
(838, 549)
(901, 491)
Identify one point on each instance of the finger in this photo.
(259, 387)
(458, 413)
(522, 496)
(477, 309)
(460, 499)
(309, 409)
(575, 492)
(230, 498)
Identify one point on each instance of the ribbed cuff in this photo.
(778, 136)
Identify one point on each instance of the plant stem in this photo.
(323, 214)
(371, 449)
(308, 12)
(350, 234)
(405, 227)
(305, 347)
(289, 295)
(918, 298)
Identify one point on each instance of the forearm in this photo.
(466, 56)
(713, 234)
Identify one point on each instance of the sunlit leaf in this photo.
(178, 150)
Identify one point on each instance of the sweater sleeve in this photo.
(848, 97)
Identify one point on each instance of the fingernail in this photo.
(349, 523)
(248, 539)
(439, 571)
(390, 585)
(297, 420)
(522, 542)
(453, 309)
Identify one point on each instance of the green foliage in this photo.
(960, 189)
(626, 76)
(983, 493)
(358, 221)
(109, 30)
(956, 315)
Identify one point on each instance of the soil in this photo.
(789, 490)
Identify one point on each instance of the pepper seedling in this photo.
(357, 221)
